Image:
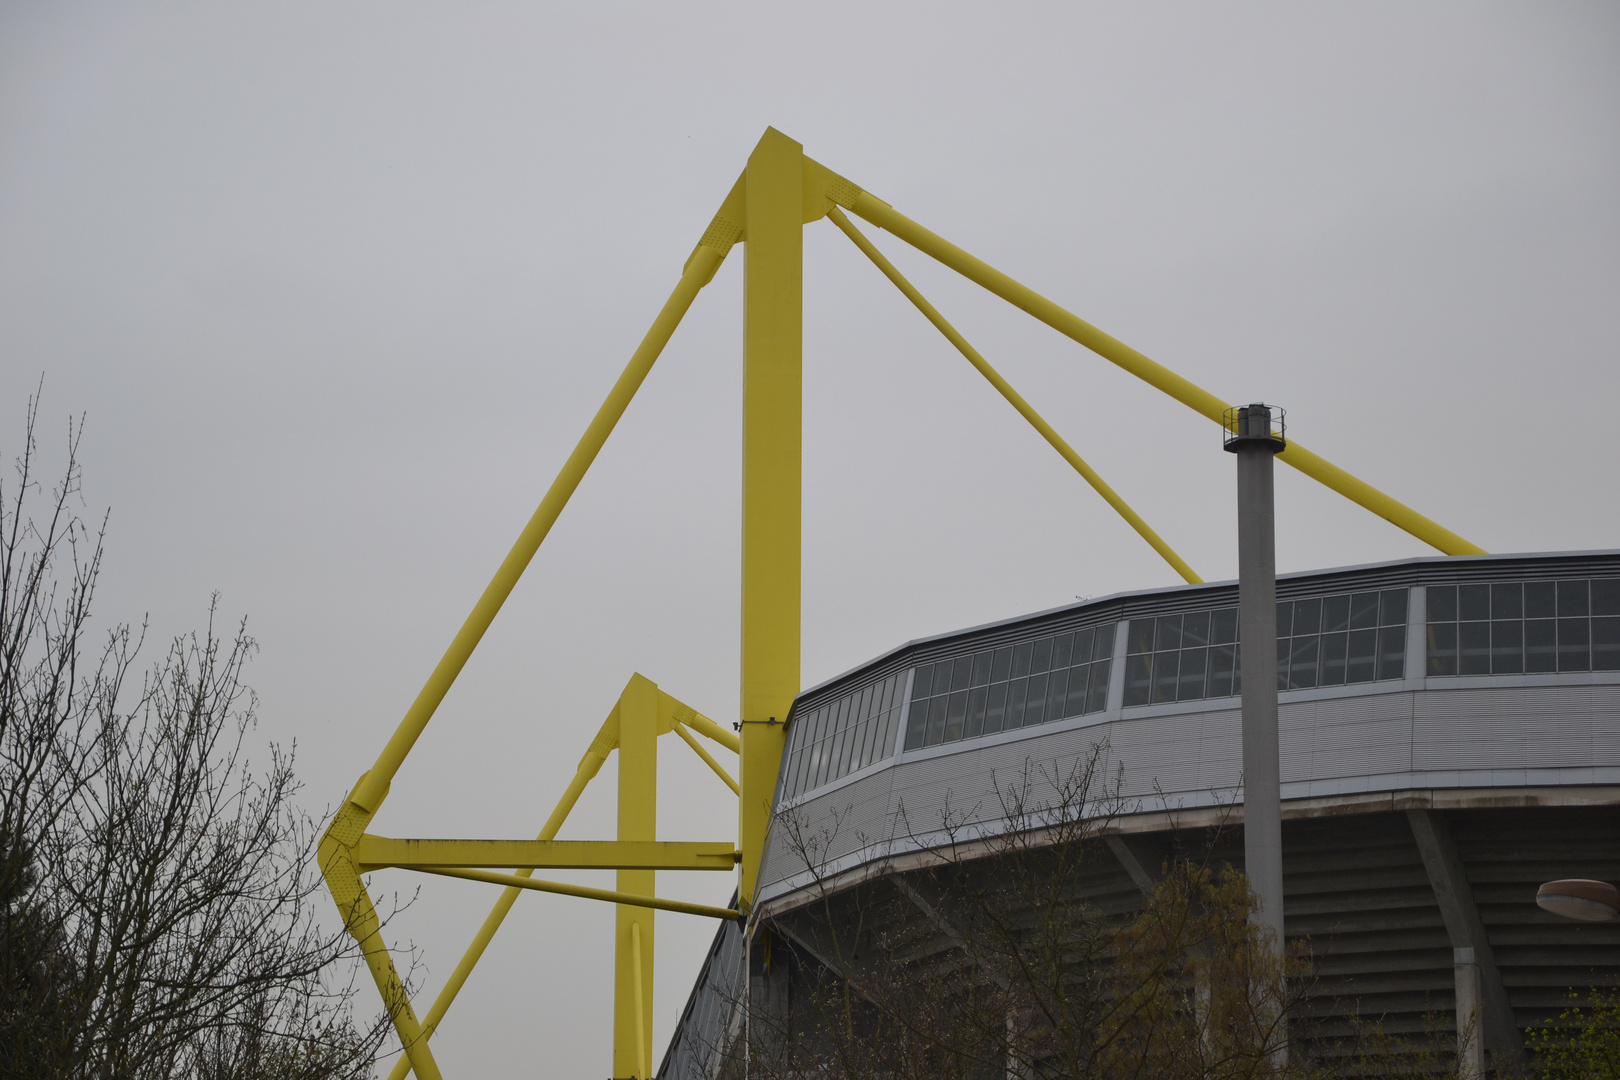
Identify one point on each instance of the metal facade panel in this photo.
(1516, 727)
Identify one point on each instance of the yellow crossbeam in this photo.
(1195, 397)
(377, 852)
(610, 895)
(708, 758)
(1014, 398)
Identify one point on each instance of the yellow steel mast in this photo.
(780, 191)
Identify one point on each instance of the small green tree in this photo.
(1585, 1042)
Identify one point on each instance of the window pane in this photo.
(1303, 664)
(1540, 641)
(981, 668)
(1442, 603)
(1222, 659)
(955, 715)
(1333, 655)
(1392, 607)
(1392, 652)
(1362, 663)
(1021, 656)
(1507, 645)
(977, 698)
(1062, 645)
(1097, 694)
(916, 724)
(1168, 635)
(1284, 652)
(1223, 626)
(995, 713)
(1195, 629)
(1082, 645)
(1140, 637)
(1572, 599)
(1540, 599)
(1336, 613)
(1507, 600)
(1016, 699)
(1035, 702)
(1164, 676)
(1574, 643)
(1285, 618)
(1606, 596)
(1138, 681)
(1194, 666)
(1605, 640)
(1042, 660)
(1442, 648)
(1079, 681)
(919, 685)
(1363, 610)
(1057, 694)
(936, 721)
(1307, 617)
(961, 674)
(1473, 602)
(1474, 648)
(1001, 664)
(1105, 642)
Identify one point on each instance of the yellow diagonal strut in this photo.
(1177, 563)
(335, 854)
(1195, 397)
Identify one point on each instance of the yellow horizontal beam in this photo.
(512, 881)
(378, 852)
(1192, 395)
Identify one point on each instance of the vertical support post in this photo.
(772, 451)
(1470, 1018)
(633, 926)
(1250, 437)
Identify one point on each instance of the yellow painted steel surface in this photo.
(1153, 373)
(562, 888)
(772, 450)
(377, 852)
(633, 939)
(779, 192)
(1014, 398)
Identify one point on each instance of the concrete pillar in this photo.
(1470, 1018)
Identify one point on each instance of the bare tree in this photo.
(156, 885)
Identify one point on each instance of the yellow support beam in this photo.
(773, 419)
(700, 268)
(1195, 397)
(377, 852)
(671, 712)
(1014, 398)
(612, 896)
(708, 759)
(607, 738)
(638, 823)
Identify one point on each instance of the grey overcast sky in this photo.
(338, 287)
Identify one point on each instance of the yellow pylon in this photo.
(779, 192)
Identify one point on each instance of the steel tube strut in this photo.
(369, 792)
(1195, 397)
(1014, 398)
(708, 758)
(612, 896)
(589, 765)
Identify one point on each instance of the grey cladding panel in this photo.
(1515, 727)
